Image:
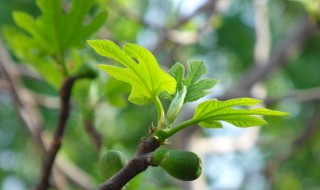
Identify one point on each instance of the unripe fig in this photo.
(183, 165)
(111, 163)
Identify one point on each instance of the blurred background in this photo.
(265, 49)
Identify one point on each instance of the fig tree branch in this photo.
(139, 163)
(26, 104)
(65, 95)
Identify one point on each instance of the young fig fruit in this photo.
(182, 165)
(111, 163)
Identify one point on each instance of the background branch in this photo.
(27, 108)
(306, 95)
(95, 136)
(65, 95)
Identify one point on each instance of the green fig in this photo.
(182, 165)
(111, 163)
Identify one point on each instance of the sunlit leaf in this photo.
(210, 112)
(196, 70)
(177, 72)
(145, 76)
(196, 88)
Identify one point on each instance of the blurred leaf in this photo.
(117, 27)
(25, 53)
(51, 33)
(145, 76)
(239, 47)
(290, 181)
(54, 31)
(312, 6)
(308, 62)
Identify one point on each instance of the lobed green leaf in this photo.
(196, 87)
(177, 71)
(55, 30)
(200, 89)
(145, 76)
(41, 41)
(196, 70)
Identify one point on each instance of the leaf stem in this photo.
(181, 126)
(160, 111)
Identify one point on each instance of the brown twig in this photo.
(65, 95)
(30, 116)
(138, 164)
(95, 136)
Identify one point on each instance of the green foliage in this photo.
(55, 31)
(209, 113)
(238, 48)
(148, 81)
(145, 76)
(43, 41)
(196, 88)
(309, 78)
(312, 6)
